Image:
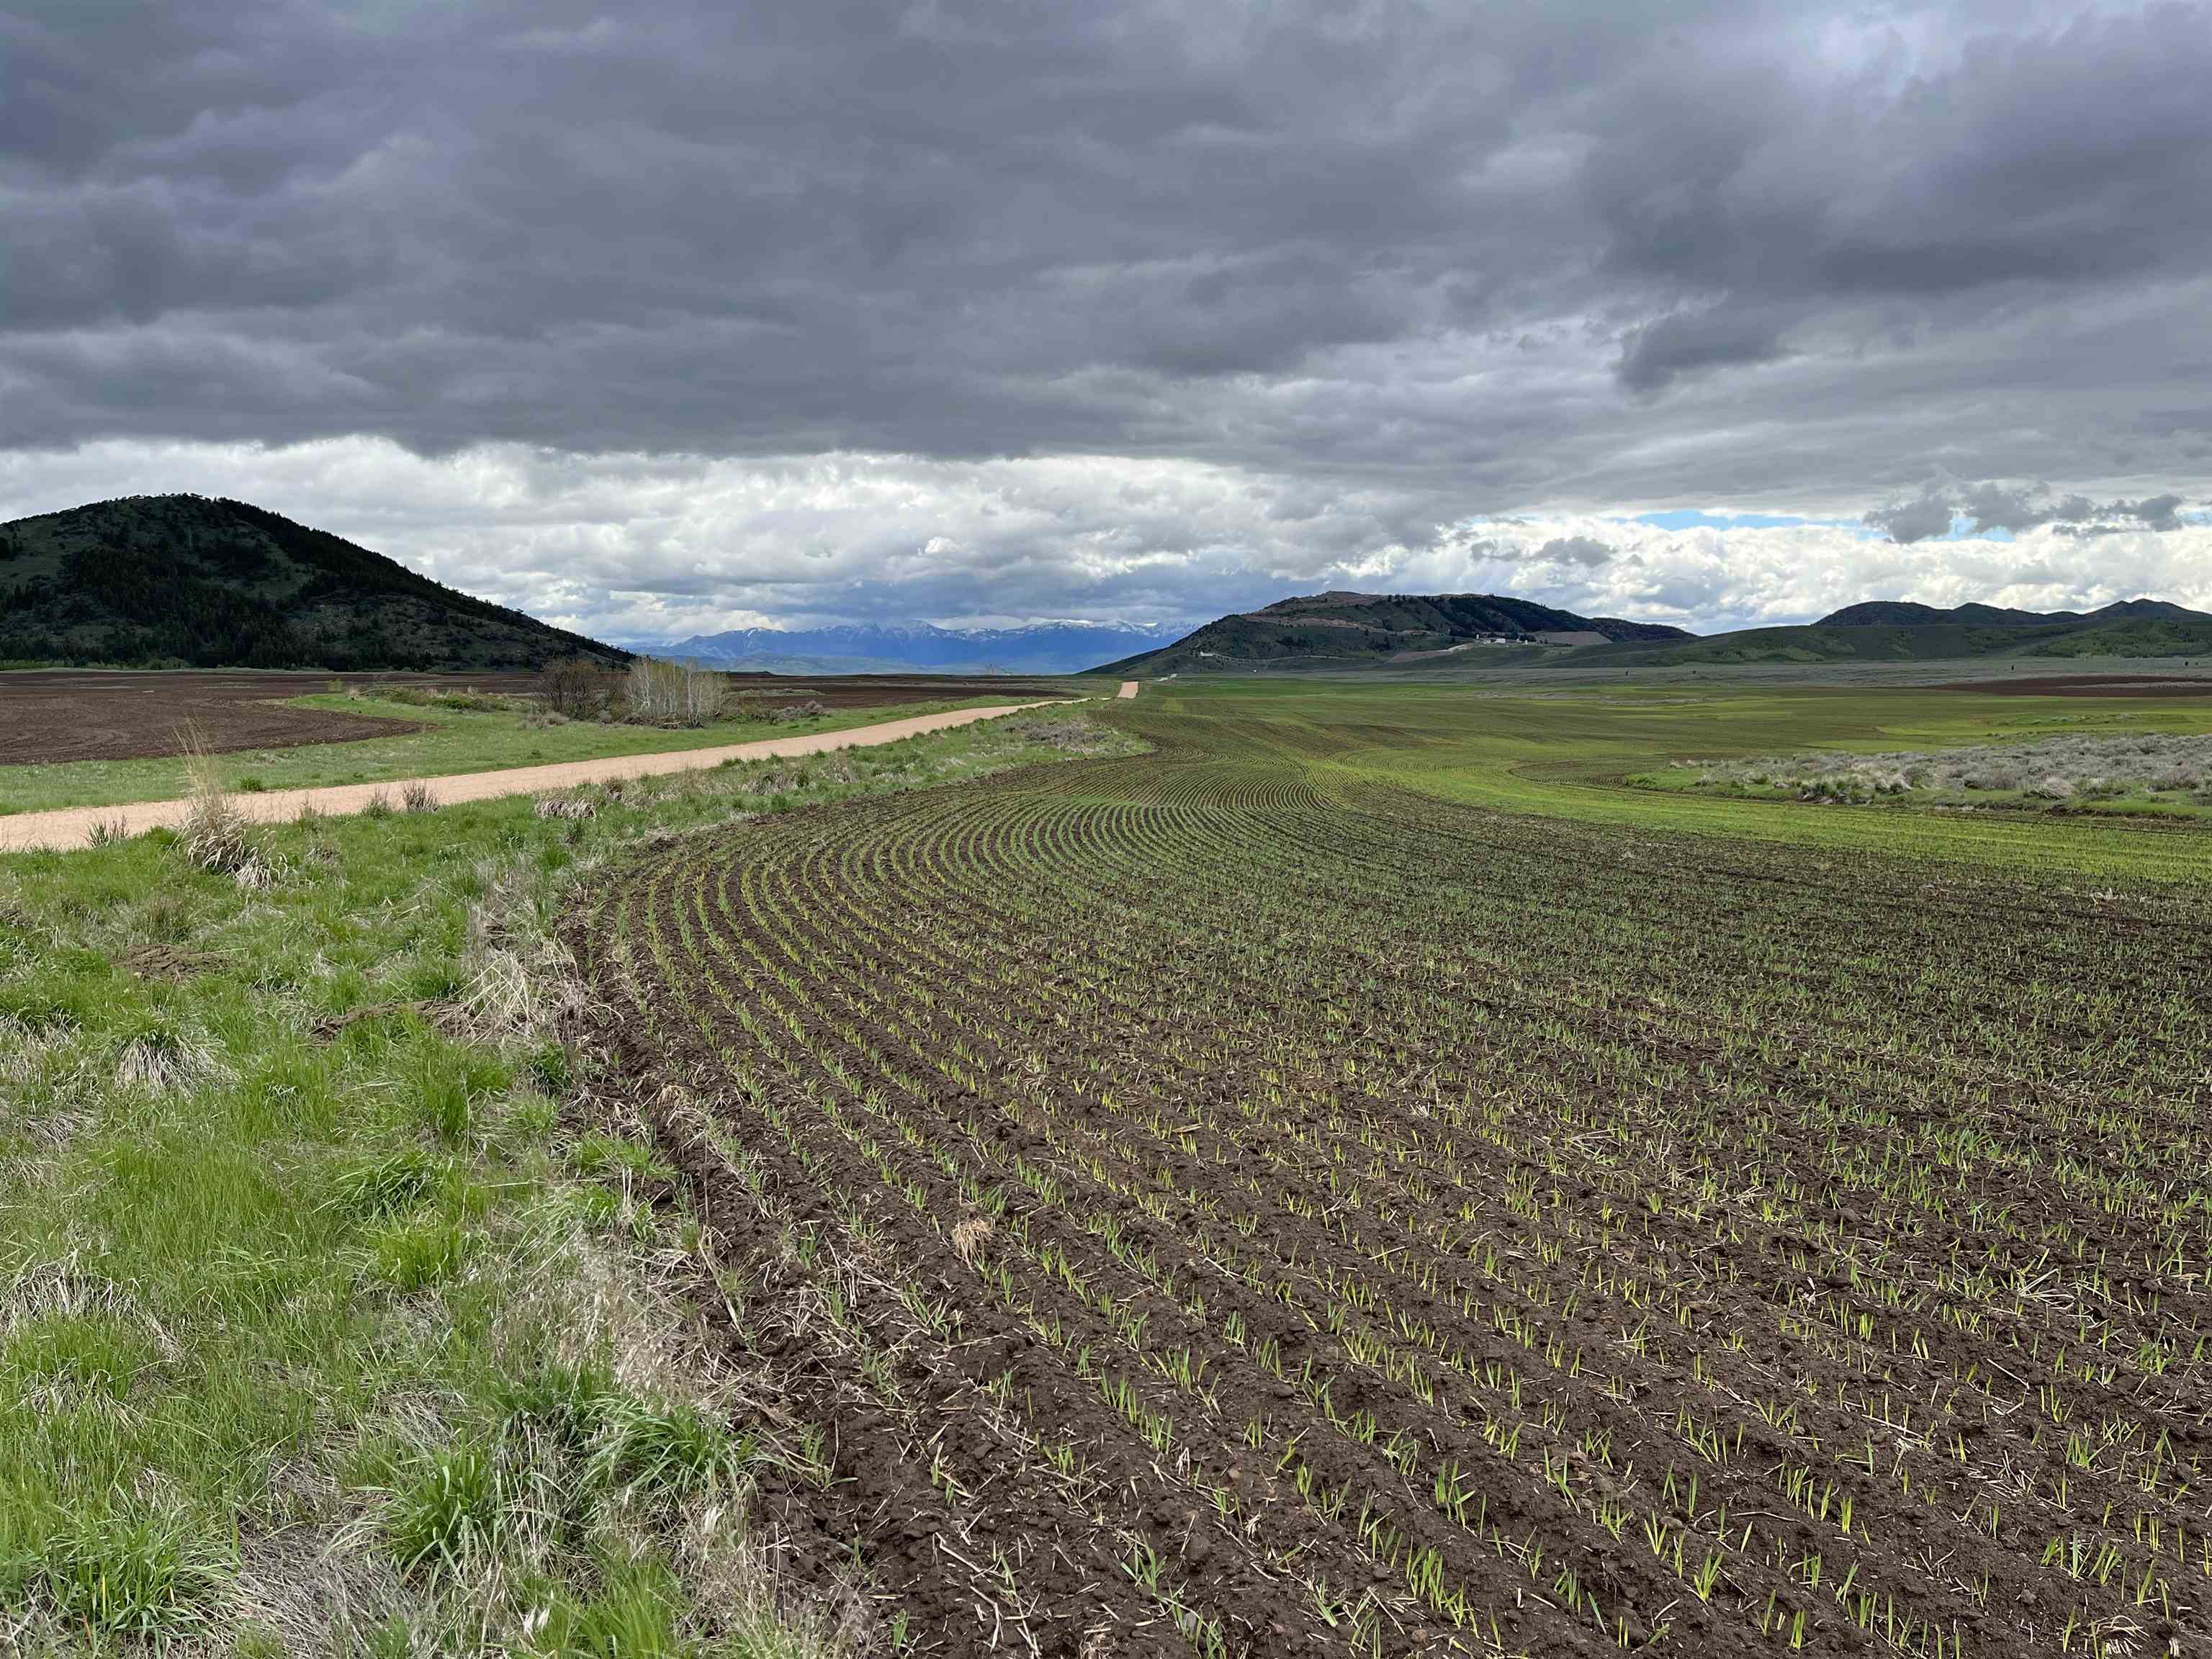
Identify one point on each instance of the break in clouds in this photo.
(663, 318)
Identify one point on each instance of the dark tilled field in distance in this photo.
(2087, 685)
(69, 714)
(76, 714)
(870, 690)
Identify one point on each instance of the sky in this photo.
(658, 319)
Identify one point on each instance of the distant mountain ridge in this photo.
(189, 579)
(1341, 631)
(1053, 647)
(1896, 630)
(151, 580)
(1906, 613)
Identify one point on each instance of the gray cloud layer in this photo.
(1439, 262)
(2012, 509)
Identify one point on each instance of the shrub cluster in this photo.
(2151, 765)
(466, 698)
(577, 688)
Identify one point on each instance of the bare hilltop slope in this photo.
(188, 581)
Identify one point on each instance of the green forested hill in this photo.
(153, 580)
(1338, 631)
(1893, 631)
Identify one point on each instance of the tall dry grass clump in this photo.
(216, 835)
(657, 693)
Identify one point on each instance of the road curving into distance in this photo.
(72, 827)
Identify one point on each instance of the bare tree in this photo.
(657, 693)
(576, 687)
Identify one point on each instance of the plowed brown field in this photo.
(2089, 685)
(68, 715)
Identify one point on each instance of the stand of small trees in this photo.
(657, 693)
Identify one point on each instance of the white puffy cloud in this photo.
(643, 546)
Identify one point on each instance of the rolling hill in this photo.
(1038, 648)
(151, 580)
(1896, 631)
(1339, 631)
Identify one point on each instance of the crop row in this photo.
(1263, 1211)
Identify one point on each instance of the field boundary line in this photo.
(70, 827)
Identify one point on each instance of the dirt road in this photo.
(73, 826)
(55, 715)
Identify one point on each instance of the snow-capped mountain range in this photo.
(1054, 647)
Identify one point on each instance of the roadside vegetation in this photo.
(341, 1303)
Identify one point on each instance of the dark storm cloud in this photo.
(1658, 353)
(1584, 551)
(2155, 512)
(2016, 508)
(2041, 154)
(1489, 256)
(1924, 516)
(1995, 507)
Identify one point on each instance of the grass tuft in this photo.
(675, 1450)
(632, 1617)
(420, 1251)
(135, 1569)
(165, 1059)
(447, 1512)
(372, 1187)
(216, 837)
(445, 1104)
(567, 1403)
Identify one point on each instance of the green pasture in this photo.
(1571, 752)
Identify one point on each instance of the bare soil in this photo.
(69, 714)
(78, 715)
(871, 690)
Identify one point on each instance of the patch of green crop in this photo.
(1571, 752)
